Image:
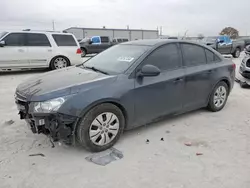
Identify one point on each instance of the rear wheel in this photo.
(101, 127)
(236, 54)
(218, 97)
(59, 63)
(243, 84)
(84, 52)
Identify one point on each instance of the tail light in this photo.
(234, 66)
(79, 51)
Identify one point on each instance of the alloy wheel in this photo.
(104, 128)
(220, 96)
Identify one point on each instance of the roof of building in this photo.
(110, 29)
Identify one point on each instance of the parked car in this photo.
(225, 45)
(95, 44)
(32, 49)
(125, 86)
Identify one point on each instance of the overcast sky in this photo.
(175, 16)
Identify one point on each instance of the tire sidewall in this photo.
(236, 55)
(52, 64)
(85, 123)
(211, 101)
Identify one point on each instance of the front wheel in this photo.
(101, 127)
(236, 54)
(218, 97)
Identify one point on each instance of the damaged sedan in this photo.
(126, 86)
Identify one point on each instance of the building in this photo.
(131, 34)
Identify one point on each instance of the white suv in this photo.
(30, 49)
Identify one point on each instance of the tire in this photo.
(92, 129)
(236, 53)
(243, 85)
(54, 64)
(217, 106)
(84, 52)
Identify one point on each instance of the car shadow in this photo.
(19, 72)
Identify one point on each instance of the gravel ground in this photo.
(223, 138)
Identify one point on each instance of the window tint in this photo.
(193, 55)
(125, 40)
(211, 57)
(165, 57)
(14, 39)
(64, 40)
(37, 39)
(104, 39)
(119, 40)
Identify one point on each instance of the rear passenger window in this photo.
(14, 39)
(125, 40)
(104, 39)
(211, 57)
(165, 57)
(64, 40)
(193, 55)
(34, 39)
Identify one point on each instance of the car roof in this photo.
(156, 42)
(40, 32)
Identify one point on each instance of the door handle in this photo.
(49, 50)
(20, 50)
(178, 80)
(209, 71)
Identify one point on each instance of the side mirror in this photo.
(220, 41)
(2, 43)
(90, 42)
(148, 71)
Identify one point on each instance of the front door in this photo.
(14, 53)
(197, 76)
(39, 48)
(162, 94)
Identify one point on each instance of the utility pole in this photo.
(160, 30)
(53, 25)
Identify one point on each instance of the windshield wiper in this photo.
(96, 70)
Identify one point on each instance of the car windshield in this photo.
(117, 59)
(2, 34)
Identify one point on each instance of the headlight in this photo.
(49, 106)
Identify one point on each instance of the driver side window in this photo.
(14, 39)
(165, 57)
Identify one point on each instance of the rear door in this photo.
(67, 46)
(105, 43)
(39, 49)
(14, 54)
(197, 76)
(162, 94)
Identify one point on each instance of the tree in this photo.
(201, 36)
(230, 31)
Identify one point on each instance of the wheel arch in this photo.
(115, 102)
(224, 79)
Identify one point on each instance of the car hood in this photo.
(61, 82)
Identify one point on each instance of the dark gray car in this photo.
(124, 87)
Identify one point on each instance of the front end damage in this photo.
(55, 125)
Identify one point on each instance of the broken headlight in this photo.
(49, 106)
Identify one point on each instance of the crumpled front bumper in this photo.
(55, 125)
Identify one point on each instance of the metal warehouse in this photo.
(131, 34)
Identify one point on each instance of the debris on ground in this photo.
(9, 122)
(199, 154)
(105, 157)
(33, 164)
(147, 141)
(168, 132)
(162, 139)
(37, 154)
(188, 144)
